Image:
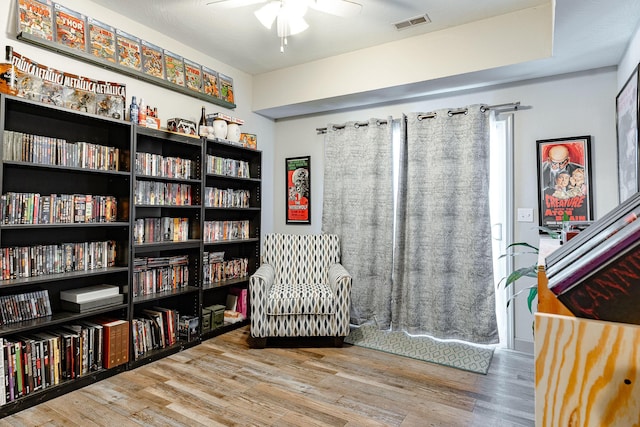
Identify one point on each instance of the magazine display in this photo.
(128, 50)
(193, 75)
(102, 40)
(70, 28)
(106, 45)
(152, 61)
(210, 84)
(174, 67)
(226, 88)
(36, 17)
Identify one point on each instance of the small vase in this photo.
(220, 128)
(233, 132)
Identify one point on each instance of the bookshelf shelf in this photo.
(166, 294)
(37, 280)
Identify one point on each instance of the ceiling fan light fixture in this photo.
(268, 13)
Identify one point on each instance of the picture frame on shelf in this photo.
(627, 137)
(298, 190)
(564, 181)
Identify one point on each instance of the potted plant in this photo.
(528, 271)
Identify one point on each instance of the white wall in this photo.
(564, 106)
(170, 104)
(630, 59)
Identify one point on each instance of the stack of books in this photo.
(597, 273)
(89, 298)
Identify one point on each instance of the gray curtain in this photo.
(443, 274)
(358, 206)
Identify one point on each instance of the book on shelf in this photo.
(128, 50)
(152, 59)
(71, 28)
(89, 293)
(174, 68)
(241, 295)
(210, 84)
(193, 75)
(188, 328)
(115, 342)
(102, 40)
(36, 17)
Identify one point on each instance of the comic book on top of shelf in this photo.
(111, 99)
(71, 28)
(128, 50)
(193, 75)
(36, 17)
(226, 88)
(152, 60)
(79, 93)
(174, 68)
(210, 84)
(102, 40)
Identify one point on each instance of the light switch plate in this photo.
(525, 215)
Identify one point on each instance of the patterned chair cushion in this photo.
(286, 299)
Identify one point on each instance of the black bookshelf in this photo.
(21, 172)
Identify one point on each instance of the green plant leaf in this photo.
(533, 292)
(531, 271)
(512, 245)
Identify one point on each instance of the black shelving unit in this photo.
(153, 147)
(23, 172)
(246, 247)
(19, 174)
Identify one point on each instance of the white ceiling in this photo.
(588, 33)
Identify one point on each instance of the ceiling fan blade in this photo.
(343, 8)
(231, 4)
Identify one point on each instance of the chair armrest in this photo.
(260, 284)
(339, 277)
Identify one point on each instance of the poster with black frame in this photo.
(564, 181)
(298, 186)
(627, 137)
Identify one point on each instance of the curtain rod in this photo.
(511, 106)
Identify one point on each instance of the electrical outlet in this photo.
(525, 215)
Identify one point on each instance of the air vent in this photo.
(412, 22)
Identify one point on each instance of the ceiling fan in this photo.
(289, 14)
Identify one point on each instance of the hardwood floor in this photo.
(224, 382)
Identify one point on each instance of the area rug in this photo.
(456, 354)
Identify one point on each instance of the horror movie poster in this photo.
(298, 190)
(564, 181)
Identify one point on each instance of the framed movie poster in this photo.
(627, 133)
(564, 180)
(298, 184)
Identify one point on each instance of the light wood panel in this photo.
(306, 382)
(586, 372)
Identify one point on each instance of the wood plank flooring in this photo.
(222, 382)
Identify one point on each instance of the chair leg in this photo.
(259, 342)
(338, 341)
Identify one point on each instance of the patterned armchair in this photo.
(300, 290)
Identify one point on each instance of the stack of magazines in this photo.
(597, 273)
